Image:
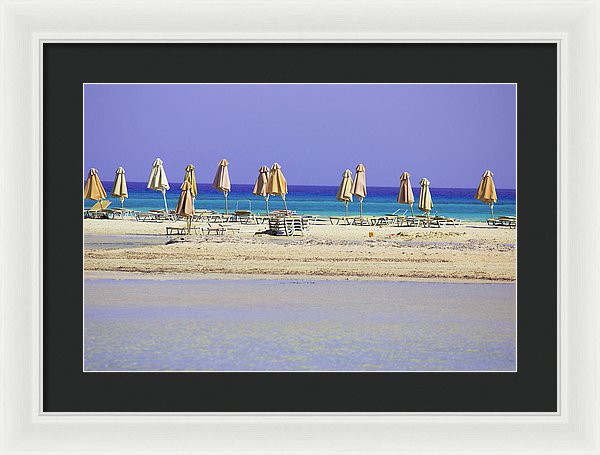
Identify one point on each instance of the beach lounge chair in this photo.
(217, 229)
(287, 225)
(98, 210)
(119, 213)
(361, 220)
(153, 215)
(245, 217)
(177, 230)
(507, 221)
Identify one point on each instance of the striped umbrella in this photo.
(190, 176)
(405, 195)
(221, 181)
(425, 201)
(185, 204)
(359, 187)
(260, 186)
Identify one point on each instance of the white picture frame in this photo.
(573, 24)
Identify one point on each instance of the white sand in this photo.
(473, 252)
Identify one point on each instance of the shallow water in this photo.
(297, 325)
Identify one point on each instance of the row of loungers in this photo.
(216, 229)
(283, 228)
(278, 225)
(395, 220)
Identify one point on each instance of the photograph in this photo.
(296, 227)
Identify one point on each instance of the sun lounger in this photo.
(214, 229)
(176, 230)
(245, 217)
(119, 213)
(379, 220)
(507, 221)
(287, 225)
(155, 216)
(98, 210)
(220, 229)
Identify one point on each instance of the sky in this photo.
(448, 133)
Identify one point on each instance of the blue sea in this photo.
(320, 200)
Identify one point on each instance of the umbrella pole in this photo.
(346, 208)
(165, 199)
(267, 203)
(226, 208)
(411, 211)
(492, 210)
(122, 200)
(284, 204)
(360, 199)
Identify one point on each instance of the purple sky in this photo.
(447, 133)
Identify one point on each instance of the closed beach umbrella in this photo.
(425, 201)
(359, 187)
(344, 193)
(260, 186)
(120, 185)
(158, 180)
(405, 195)
(277, 185)
(221, 181)
(185, 204)
(190, 176)
(486, 192)
(93, 187)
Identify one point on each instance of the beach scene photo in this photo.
(299, 228)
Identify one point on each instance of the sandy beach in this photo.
(473, 252)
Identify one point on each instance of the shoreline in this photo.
(93, 275)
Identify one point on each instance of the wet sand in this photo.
(298, 325)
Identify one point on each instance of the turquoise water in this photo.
(320, 200)
(298, 325)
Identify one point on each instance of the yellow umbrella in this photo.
(405, 195)
(158, 180)
(425, 201)
(221, 181)
(120, 185)
(359, 187)
(344, 193)
(185, 204)
(260, 187)
(277, 185)
(190, 176)
(486, 192)
(93, 187)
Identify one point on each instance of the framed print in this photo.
(371, 234)
(215, 289)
